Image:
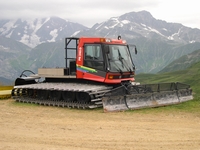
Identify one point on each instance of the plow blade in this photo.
(144, 96)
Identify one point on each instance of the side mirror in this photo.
(135, 50)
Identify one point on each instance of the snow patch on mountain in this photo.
(7, 28)
(193, 41)
(143, 25)
(156, 31)
(34, 25)
(164, 29)
(4, 49)
(75, 33)
(33, 32)
(106, 27)
(125, 21)
(97, 26)
(54, 34)
(175, 35)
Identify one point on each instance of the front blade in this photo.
(115, 102)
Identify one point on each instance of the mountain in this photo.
(183, 62)
(33, 32)
(4, 81)
(154, 55)
(158, 42)
(135, 25)
(12, 53)
(47, 55)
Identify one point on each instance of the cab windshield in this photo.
(119, 59)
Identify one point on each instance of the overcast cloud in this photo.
(89, 12)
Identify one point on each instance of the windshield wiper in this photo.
(128, 66)
(121, 59)
(116, 66)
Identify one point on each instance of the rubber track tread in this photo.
(97, 91)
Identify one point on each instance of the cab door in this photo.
(94, 62)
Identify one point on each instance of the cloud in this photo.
(75, 8)
(89, 12)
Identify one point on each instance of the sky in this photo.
(89, 12)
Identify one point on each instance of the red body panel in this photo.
(89, 76)
(116, 81)
(81, 73)
(107, 80)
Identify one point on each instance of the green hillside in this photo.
(183, 62)
(189, 76)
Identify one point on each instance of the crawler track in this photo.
(75, 95)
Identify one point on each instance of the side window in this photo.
(93, 52)
(93, 56)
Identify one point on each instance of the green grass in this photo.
(190, 76)
(25, 104)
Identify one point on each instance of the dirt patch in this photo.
(33, 127)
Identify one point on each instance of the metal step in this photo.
(97, 99)
(95, 106)
(98, 103)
